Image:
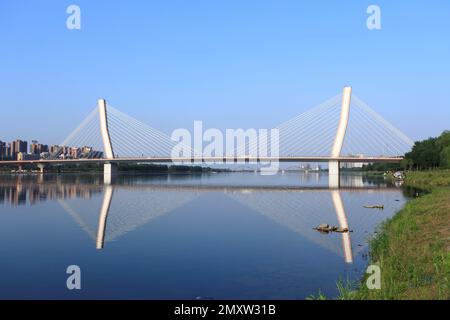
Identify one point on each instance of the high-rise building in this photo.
(21, 146)
(8, 151)
(3, 150)
(75, 152)
(21, 156)
(55, 148)
(34, 146)
(18, 146)
(13, 151)
(38, 148)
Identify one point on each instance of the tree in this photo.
(429, 153)
(424, 154)
(443, 140)
(445, 158)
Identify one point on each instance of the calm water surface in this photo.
(210, 236)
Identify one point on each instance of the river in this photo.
(234, 235)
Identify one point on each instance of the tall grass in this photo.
(413, 248)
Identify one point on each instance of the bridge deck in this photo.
(218, 160)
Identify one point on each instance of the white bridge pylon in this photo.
(334, 166)
(339, 130)
(109, 169)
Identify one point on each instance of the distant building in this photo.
(20, 146)
(74, 152)
(44, 155)
(17, 150)
(16, 147)
(23, 156)
(351, 165)
(54, 149)
(8, 151)
(38, 148)
(87, 150)
(3, 154)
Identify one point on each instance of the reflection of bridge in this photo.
(324, 134)
(296, 209)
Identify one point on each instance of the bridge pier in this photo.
(334, 179)
(41, 167)
(109, 173)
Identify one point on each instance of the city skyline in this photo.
(18, 150)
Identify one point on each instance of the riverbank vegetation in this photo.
(413, 248)
(429, 154)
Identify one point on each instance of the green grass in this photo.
(429, 179)
(413, 248)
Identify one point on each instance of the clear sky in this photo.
(248, 64)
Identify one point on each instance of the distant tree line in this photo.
(432, 153)
(382, 167)
(161, 168)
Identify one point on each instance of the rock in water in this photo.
(380, 206)
(323, 227)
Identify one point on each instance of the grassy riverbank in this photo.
(413, 248)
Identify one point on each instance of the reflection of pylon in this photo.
(106, 204)
(342, 218)
(114, 222)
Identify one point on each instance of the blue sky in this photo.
(249, 64)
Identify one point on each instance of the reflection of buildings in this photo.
(16, 195)
(354, 181)
(22, 191)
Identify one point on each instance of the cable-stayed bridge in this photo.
(342, 129)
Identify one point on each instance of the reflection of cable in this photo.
(77, 218)
(114, 222)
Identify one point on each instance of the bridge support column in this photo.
(334, 179)
(109, 173)
(41, 167)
